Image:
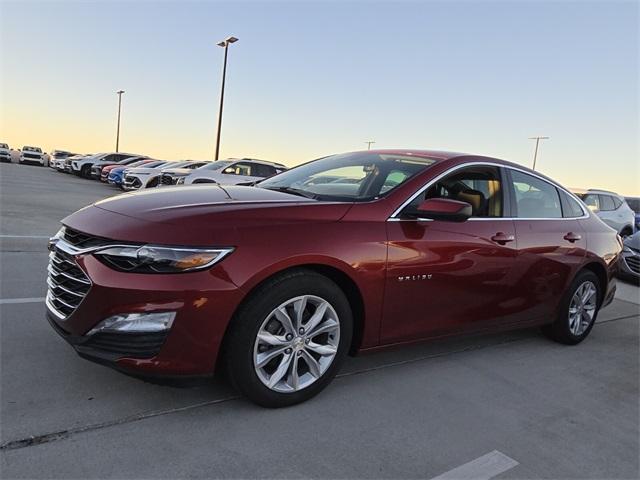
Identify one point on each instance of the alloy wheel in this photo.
(582, 308)
(296, 344)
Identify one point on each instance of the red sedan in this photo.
(277, 283)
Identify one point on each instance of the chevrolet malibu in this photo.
(351, 253)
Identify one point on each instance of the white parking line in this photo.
(482, 468)
(4, 301)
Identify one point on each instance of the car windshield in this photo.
(154, 164)
(216, 165)
(355, 177)
(4, 145)
(32, 149)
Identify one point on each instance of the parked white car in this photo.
(170, 175)
(57, 159)
(231, 172)
(32, 155)
(83, 166)
(5, 153)
(611, 208)
(146, 177)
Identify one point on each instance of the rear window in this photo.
(634, 204)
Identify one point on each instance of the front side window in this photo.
(534, 197)
(606, 203)
(479, 186)
(354, 177)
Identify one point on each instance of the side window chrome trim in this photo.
(394, 216)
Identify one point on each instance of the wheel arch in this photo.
(338, 276)
(600, 272)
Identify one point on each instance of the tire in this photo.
(85, 171)
(626, 231)
(564, 329)
(243, 349)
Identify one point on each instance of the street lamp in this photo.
(535, 154)
(224, 44)
(119, 92)
(369, 144)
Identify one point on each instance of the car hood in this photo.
(177, 171)
(135, 170)
(196, 215)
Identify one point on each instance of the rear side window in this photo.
(606, 203)
(534, 197)
(260, 170)
(617, 203)
(570, 206)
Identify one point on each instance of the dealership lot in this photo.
(552, 411)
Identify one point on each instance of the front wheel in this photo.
(578, 310)
(288, 340)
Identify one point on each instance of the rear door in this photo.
(551, 243)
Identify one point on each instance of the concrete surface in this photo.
(557, 411)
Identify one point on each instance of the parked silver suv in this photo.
(611, 208)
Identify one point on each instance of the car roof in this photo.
(594, 190)
(255, 160)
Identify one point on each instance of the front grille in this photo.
(633, 262)
(82, 240)
(136, 345)
(68, 284)
(31, 155)
(166, 179)
(132, 182)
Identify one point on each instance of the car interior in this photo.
(479, 187)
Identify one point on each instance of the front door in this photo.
(448, 277)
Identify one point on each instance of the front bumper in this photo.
(204, 303)
(5, 157)
(629, 265)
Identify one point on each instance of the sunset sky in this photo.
(307, 79)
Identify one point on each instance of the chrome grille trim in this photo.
(67, 283)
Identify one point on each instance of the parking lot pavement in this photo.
(550, 411)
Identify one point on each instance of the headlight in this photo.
(154, 259)
(180, 180)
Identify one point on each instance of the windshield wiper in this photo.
(293, 191)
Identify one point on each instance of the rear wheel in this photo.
(578, 310)
(85, 171)
(288, 341)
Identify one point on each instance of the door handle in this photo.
(502, 238)
(572, 237)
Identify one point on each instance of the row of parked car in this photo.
(131, 171)
(27, 154)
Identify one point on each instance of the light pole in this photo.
(224, 44)
(535, 153)
(119, 92)
(369, 144)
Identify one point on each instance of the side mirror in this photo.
(443, 209)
